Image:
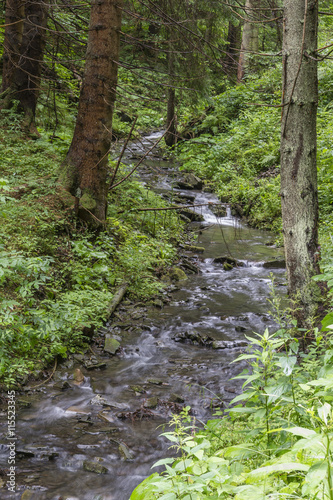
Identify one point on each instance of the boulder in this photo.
(111, 345)
(177, 274)
(189, 181)
(191, 215)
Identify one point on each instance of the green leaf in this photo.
(163, 461)
(270, 469)
(301, 431)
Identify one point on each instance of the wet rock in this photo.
(191, 216)
(219, 210)
(78, 409)
(125, 452)
(228, 262)
(189, 181)
(193, 337)
(78, 376)
(62, 385)
(183, 198)
(177, 274)
(228, 344)
(95, 467)
(99, 400)
(111, 345)
(138, 389)
(191, 267)
(27, 495)
(176, 398)
(155, 381)
(157, 303)
(151, 403)
(106, 416)
(24, 453)
(275, 264)
(92, 364)
(240, 328)
(193, 248)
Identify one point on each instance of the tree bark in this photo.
(250, 41)
(85, 169)
(299, 195)
(12, 42)
(23, 57)
(230, 60)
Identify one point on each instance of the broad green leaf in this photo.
(301, 431)
(270, 469)
(243, 396)
(163, 461)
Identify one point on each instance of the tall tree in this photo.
(298, 155)
(23, 53)
(250, 39)
(85, 169)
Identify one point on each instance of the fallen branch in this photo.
(179, 207)
(117, 298)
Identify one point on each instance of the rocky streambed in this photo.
(93, 431)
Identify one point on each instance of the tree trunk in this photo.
(250, 41)
(171, 135)
(23, 57)
(12, 41)
(85, 169)
(298, 156)
(230, 62)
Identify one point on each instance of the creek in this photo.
(114, 417)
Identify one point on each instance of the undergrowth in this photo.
(275, 440)
(56, 277)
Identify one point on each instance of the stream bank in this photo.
(96, 436)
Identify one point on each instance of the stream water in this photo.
(63, 429)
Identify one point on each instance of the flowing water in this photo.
(62, 429)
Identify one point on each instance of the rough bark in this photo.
(298, 156)
(12, 41)
(85, 169)
(249, 40)
(23, 57)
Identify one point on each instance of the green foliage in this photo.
(56, 278)
(279, 441)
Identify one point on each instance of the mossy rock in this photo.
(177, 274)
(111, 345)
(94, 467)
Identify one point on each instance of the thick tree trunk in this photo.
(249, 41)
(12, 42)
(298, 156)
(85, 170)
(23, 54)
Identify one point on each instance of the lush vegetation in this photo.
(56, 276)
(276, 439)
